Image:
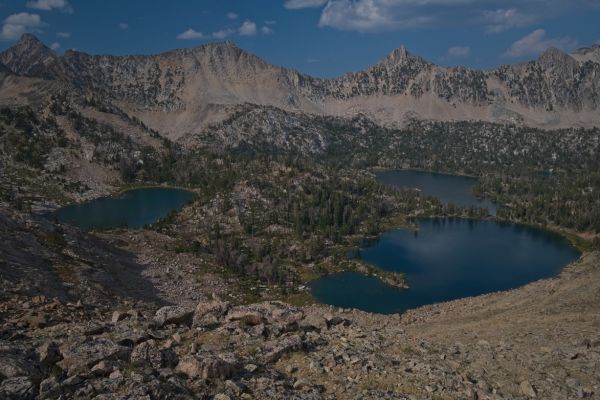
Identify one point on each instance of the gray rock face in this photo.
(585, 54)
(275, 349)
(556, 80)
(173, 315)
(18, 388)
(49, 388)
(82, 355)
(527, 389)
(188, 82)
(207, 366)
(210, 312)
(147, 354)
(31, 57)
(49, 354)
(17, 361)
(246, 315)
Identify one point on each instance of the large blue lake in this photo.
(132, 209)
(448, 188)
(447, 259)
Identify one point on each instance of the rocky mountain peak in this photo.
(226, 54)
(28, 39)
(399, 56)
(553, 53)
(30, 46)
(29, 56)
(554, 58)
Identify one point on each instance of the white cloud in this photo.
(49, 5)
(297, 4)
(265, 30)
(55, 46)
(503, 19)
(190, 34)
(232, 15)
(537, 42)
(459, 51)
(372, 15)
(386, 15)
(248, 28)
(222, 34)
(64, 35)
(17, 24)
(124, 25)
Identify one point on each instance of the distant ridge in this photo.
(182, 90)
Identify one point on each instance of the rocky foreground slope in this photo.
(95, 329)
(181, 91)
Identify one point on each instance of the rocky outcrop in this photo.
(555, 81)
(173, 315)
(514, 345)
(586, 54)
(47, 260)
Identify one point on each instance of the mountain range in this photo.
(182, 91)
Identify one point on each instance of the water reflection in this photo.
(448, 259)
(132, 209)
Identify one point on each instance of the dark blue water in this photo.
(133, 209)
(447, 259)
(448, 188)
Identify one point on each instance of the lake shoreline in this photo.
(132, 208)
(472, 244)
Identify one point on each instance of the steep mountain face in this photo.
(31, 57)
(215, 73)
(182, 91)
(588, 54)
(555, 81)
(402, 73)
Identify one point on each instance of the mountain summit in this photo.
(182, 90)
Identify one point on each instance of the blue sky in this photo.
(319, 37)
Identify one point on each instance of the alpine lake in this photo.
(131, 209)
(445, 259)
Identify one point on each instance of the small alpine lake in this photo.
(447, 259)
(131, 209)
(449, 189)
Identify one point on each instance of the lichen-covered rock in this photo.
(17, 388)
(209, 312)
(246, 315)
(17, 360)
(173, 315)
(207, 366)
(313, 322)
(146, 354)
(49, 388)
(275, 349)
(49, 354)
(81, 355)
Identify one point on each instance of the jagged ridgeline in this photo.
(182, 91)
(91, 123)
(77, 126)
